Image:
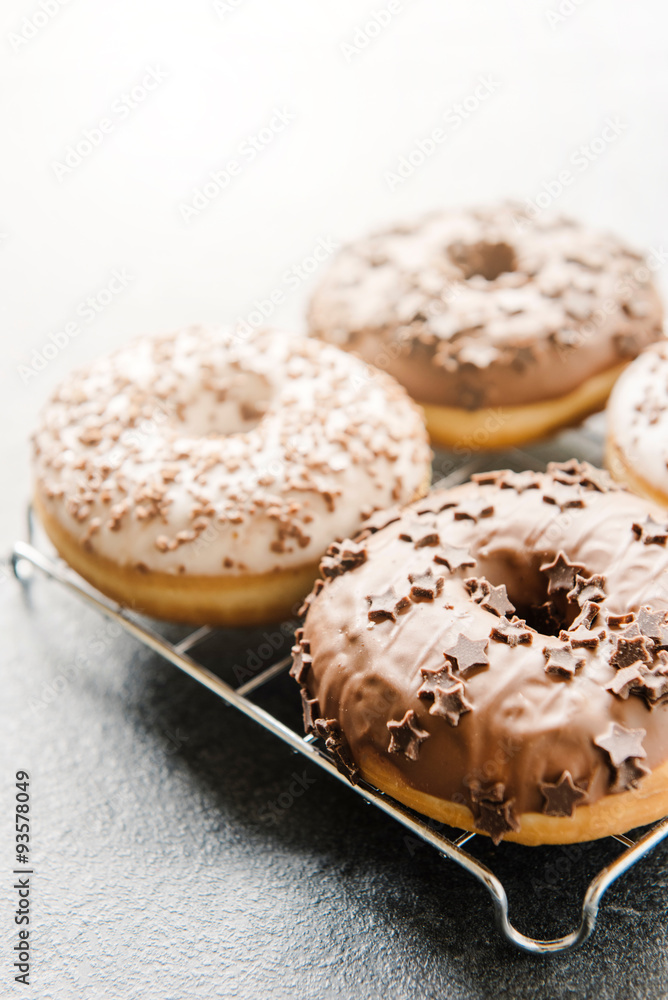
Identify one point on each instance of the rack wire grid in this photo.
(585, 443)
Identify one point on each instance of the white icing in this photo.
(336, 438)
(638, 416)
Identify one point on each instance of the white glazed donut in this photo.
(199, 477)
(637, 432)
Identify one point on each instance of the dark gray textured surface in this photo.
(175, 858)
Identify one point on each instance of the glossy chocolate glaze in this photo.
(370, 640)
(487, 307)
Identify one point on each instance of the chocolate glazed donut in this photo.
(495, 656)
(502, 327)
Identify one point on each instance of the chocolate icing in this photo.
(494, 712)
(486, 308)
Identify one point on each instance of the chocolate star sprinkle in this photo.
(562, 661)
(587, 589)
(352, 555)
(342, 557)
(587, 616)
(637, 679)
(406, 736)
(330, 731)
(487, 793)
(595, 479)
(628, 775)
(617, 621)
(626, 680)
(454, 557)
(310, 710)
(582, 636)
(443, 677)
(381, 606)
(380, 519)
(434, 503)
(562, 497)
(426, 586)
(568, 472)
(653, 688)
(421, 532)
(560, 573)
(301, 661)
(489, 478)
(430, 537)
(562, 796)
(653, 625)
(630, 646)
(513, 632)
(650, 532)
(474, 510)
(476, 587)
(621, 743)
(450, 702)
(495, 816)
(496, 601)
(497, 819)
(468, 655)
(520, 481)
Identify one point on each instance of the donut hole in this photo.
(527, 589)
(489, 260)
(222, 411)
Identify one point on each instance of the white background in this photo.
(357, 109)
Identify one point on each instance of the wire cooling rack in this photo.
(449, 470)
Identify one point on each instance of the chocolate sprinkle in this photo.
(653, 625)
(582, 636)
(520, 481)
(621, 743)
(496, 601)
(406, 737)
(628, 775)
(382, 606)
(587, 589)
(425, 586)
(450, 702)
(630, 647)
(587, 616)
(310, 710)
(421, 532)
(476, 587)
(637, 679)
(341, 557)
(512, 632)
(454, 557)
(495, 815)
(560, 573)
(443, 676)
(378, 520)
(330, 731)
(301, 661)
(468, 655)
(561, 797)
(617, 621)
(562, 661)
(650, 531)
(474, 511)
